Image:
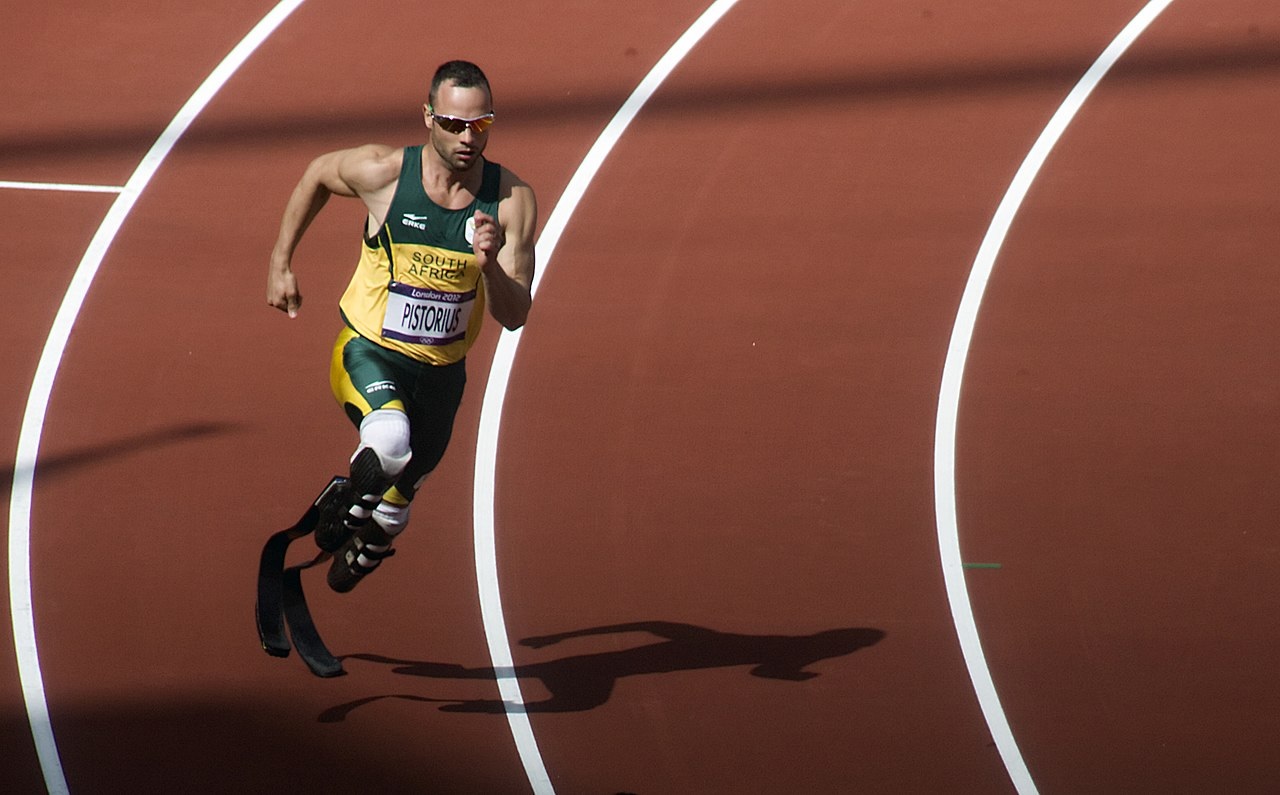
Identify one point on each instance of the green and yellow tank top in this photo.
(417, 288)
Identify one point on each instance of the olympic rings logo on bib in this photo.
(426, 317)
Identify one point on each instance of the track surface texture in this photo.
(715, 514)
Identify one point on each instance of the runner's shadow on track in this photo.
(61, 463)
(585, 681)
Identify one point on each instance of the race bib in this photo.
(426, 317)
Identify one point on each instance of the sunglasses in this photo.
(454, 125)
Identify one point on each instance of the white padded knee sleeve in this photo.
(390, 517)
(387, 432)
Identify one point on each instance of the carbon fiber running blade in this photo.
(306, 638)
(269, 607)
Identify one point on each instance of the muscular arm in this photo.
(368, 172)
(504, 252)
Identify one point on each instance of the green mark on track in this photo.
(980, 565)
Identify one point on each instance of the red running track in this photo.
(715, 478)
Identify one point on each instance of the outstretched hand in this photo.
(487, 240)
(282, 292)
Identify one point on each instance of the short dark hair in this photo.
(462, 74)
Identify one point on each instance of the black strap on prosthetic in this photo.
(281, 606)
(363, 490)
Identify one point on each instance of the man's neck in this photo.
(450, 188)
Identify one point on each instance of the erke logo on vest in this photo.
(416, 221)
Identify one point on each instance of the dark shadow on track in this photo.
(1249, 54)
(54, 465)
(232, 744)
(585, 681)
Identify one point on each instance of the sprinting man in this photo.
(449, 236)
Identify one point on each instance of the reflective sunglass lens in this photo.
(455, 126)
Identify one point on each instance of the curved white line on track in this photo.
(953, 375)
(20, 605)
(495, 628)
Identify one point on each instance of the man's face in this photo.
(459, 150)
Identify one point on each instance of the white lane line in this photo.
(495, 628)
(60, 186)
(953, 374)
(20, 605)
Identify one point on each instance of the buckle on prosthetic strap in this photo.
(346, 571)
(281, 609)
